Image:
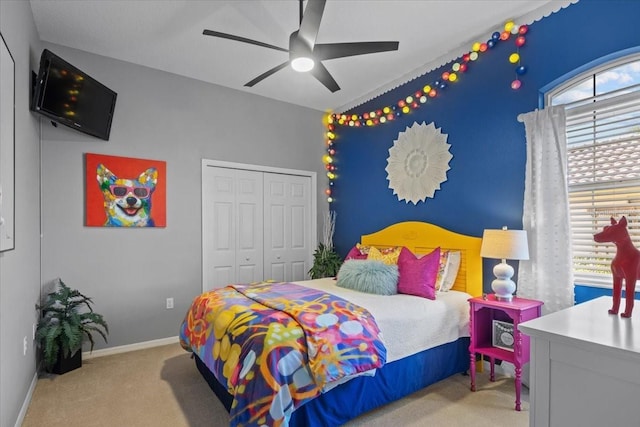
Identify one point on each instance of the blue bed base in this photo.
(392, 382)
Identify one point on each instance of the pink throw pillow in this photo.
(418, 275)
(355, 253)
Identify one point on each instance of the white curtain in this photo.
(547, 275)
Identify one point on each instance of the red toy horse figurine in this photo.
(625, 265)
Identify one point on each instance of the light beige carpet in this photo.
(161, 387)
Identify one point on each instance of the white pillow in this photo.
(450, 271)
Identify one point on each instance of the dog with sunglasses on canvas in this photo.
(127, 202)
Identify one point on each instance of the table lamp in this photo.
(504, 244)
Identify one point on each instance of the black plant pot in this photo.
(66, 364)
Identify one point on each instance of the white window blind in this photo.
(603, 137)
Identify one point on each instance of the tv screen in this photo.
(67, 95)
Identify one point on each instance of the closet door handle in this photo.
(247, 259)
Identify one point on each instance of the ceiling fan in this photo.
(307, 55)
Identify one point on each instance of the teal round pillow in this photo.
(370, 276)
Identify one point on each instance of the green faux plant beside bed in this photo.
(67, 320)
(326, 262)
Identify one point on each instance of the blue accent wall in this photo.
(585, 293)
(485, 185)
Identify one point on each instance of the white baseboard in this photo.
(129, 347)
(27, 401)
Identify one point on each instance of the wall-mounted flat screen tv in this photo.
(69, 96)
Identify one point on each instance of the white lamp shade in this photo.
(505, 244)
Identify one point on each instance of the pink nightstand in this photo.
(508, 344)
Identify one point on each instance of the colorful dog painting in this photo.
(125, 192)
(625, 264)
(127, 202)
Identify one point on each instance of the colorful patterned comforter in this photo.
(276, 345)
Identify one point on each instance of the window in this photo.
(603, 137)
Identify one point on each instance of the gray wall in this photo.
(130, 272)
(20, 268)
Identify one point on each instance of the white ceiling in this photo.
(167, 35)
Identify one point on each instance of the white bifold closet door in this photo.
(286, 227)
(232, 226)
(256, 226)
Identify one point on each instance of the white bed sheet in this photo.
(409, 324)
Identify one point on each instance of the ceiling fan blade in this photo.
(322, 74)
(267, 74)
(340, 50)
(310, 23)
(242, 39)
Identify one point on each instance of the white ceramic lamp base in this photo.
(503, 287)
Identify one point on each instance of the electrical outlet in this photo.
(169, 303)
(24, 346)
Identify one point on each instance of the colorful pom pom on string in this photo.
(429, 92)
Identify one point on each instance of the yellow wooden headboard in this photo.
(422, 238)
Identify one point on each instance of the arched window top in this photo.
(621, 75)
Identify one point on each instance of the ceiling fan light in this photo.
(302, 64)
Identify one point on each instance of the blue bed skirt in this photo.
(392, 382)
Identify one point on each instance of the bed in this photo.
(407, 369)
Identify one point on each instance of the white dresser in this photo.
(585, 367)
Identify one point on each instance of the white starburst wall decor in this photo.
(418, 162)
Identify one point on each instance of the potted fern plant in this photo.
(67, 320)
(326, 261)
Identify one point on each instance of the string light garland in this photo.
(413, 101)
